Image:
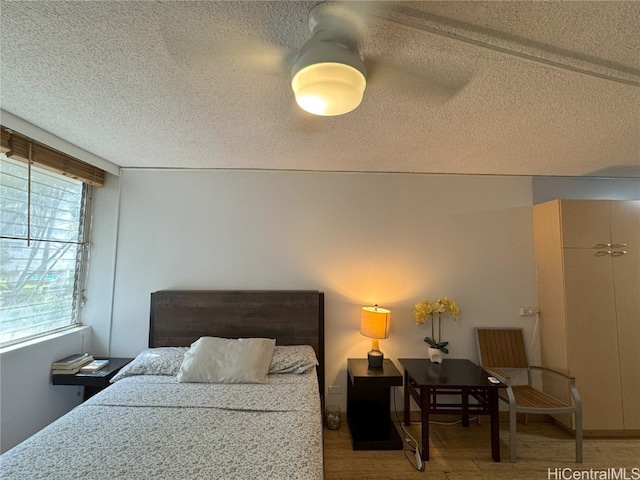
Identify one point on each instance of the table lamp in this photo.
(375, 324)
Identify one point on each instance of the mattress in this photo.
(152, 427)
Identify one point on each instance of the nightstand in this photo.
(93, 382)
(369, 405)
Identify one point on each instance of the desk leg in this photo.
(425, 393)
(407, 400)
(465, 407)
(495, 424)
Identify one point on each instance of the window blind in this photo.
(19, 147)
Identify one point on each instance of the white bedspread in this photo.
(152, 427)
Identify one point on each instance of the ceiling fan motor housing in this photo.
(328, 76)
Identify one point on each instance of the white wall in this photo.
(390, 239)
(28, 400)
(97, 309)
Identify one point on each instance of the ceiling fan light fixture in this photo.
(328, 88)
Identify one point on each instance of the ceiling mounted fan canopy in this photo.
(329, 76)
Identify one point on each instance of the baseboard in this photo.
(611, 433)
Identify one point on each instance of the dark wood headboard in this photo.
(293, 317)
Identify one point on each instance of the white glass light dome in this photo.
(328, 88)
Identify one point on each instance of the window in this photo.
(42, 250)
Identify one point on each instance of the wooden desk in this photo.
(424, 381)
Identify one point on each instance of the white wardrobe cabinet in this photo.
(588, 264)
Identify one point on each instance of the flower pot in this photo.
(435, 355)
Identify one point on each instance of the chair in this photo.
(504, 348)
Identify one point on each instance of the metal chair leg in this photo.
(578, 414)
(512, 433)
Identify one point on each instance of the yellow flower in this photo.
(454, 310)
(448, 306)
(439, 307)
(422, 312)
(426, 310)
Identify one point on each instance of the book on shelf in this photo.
(63, 367)
(66, 371)
(74, 365)
(94, 366)
(71, 359)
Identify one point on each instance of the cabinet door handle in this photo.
(601, 253)
(618, 253)
(610, 245)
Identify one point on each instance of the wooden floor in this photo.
(464, 453)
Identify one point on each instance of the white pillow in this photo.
(225, 360)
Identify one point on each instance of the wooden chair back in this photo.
(502, 347)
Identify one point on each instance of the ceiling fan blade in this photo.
(205, 50)
(430, 80)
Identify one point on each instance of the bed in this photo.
(150, 425)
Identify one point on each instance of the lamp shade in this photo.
(328, 88)
(375, 322)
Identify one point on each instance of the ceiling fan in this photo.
(329, 76)
(328, 73)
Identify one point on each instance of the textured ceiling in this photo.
(206, 85)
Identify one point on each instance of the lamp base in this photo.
(375, 358)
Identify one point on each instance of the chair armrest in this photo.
(554, 371)
(500, 375)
